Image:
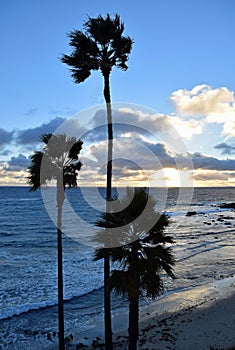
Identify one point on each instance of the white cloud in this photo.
(186, 128)
(212, 105)
(203, 100)
(12, 177)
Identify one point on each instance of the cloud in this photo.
(225, 148)
(214, 178)
(127, 120)
(201, 161)
(134, 123)
(11, 176)
(32, 135)
(148, 156)
(17, 163)
(138, 160)
(186, 128)
(14, 172)
(135, 153)
(5, 137)
(203, 100)
(213, 105)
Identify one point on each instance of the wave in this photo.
(29, 199)
(16, 310)
(26, 199)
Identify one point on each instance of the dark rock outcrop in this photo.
(227, 205)
(191, 213)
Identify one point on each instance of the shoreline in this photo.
(197, 318)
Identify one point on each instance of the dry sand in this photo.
(195, 319)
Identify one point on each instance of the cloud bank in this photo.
(145, 142)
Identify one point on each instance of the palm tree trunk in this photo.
(107, 97)
(133, 329)
(60, 200)
(107, 297)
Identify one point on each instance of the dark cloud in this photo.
(201, 161)
(161, 153)
(226, 148)
(146, 123)
(121, 166)
(155, 156)
(17, 163)
(32, 135)
(142, 154)
(217, 176)
(126, 122)
(5, 137)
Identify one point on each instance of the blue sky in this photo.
(181, 66)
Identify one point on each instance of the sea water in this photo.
(203, 249)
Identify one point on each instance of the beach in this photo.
(200, 318)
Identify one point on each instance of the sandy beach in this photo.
(200, 318)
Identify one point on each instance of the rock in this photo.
(49, 336)
(68, 340)
(190, 213)
(81, 346)
(227, 205)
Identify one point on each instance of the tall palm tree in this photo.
(101, 46)
(142, 257)
(57, 161)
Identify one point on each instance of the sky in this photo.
(174, 106)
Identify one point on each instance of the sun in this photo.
(171, 177)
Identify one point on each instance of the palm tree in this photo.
(101, 47)
(142, 257)
(57, 161)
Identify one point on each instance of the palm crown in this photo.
(145, 251)
(59, 157)
(102, 46)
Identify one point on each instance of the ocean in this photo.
(204, 252)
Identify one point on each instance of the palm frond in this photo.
(45, 138)
(121, 282)
(103, 30)
(75, 149)
(34, 170)
(80, 75)
(101, 253)
(151, 284)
